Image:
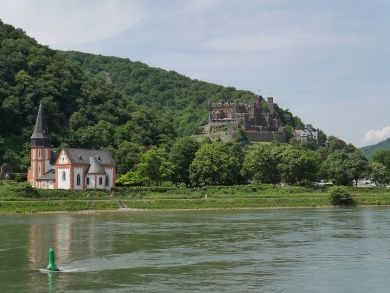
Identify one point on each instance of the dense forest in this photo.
(97, 102)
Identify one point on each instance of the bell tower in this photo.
(40, 149)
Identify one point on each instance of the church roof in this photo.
(40, 129)
(49, 175)
(82, 156)
(95, 167)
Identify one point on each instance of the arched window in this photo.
(78, 179)
(63, 176)
(87, 180)
(107, 180)
(100, 180)
(39, 154)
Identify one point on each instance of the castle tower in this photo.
(271, 106)
(40, 149)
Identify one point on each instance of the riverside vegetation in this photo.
(21, 198)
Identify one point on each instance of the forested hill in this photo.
(170, 95)
(96, 102)
(369, 151)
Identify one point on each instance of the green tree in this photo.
(241, 137)
(297, 165)
(181, 156)
(358, 165)
(260, 164)
(383, 157)
(217, 163)
(154, 166)
(127, 155)
(380, 175)
(342, 167)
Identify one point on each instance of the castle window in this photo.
(39, 154)
(78, 180)
(63, 176)
(100, 181)
(107, 180)
(87, 180)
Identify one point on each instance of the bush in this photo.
(340, 196)
(26, 190)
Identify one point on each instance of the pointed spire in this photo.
(40, 136)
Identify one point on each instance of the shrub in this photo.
(340, 196)
(26, 190)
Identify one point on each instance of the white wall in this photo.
(110, 173)
(100, 186)
(61, 183)
(91, 184)
(76, 171)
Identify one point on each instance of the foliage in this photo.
(380, 175)
(131, 178)
(241, 137)
(181, 156)
(370, 150)
(342, 166)
(154, 166)
(217, 163)
(383, 157)
(260, 164)
(340, 196)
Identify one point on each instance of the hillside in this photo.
(368, 151)
(172, 96)
(94, 101)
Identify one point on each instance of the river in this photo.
(287, 250)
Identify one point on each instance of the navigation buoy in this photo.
(52, 261)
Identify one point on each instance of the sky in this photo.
(327, 61)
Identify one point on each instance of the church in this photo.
(68, 168)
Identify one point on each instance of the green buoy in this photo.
(52, 261)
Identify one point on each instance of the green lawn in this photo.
(19, 198)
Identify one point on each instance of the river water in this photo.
(289, 250)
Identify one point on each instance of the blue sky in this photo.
(327, 61)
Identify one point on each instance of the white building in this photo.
(69, 168)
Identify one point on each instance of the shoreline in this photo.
(128, 210)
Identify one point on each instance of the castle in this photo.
(68, 168)
(258, 120)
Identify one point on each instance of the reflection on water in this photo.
(308, 250)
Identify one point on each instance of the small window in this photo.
(87, 180)
(63, 176)
(107, 180)
(100, 181)
(78, 180)
(39, 154)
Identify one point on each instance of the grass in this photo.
(20, 198)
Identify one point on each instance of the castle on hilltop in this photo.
(258, 120)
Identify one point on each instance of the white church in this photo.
(68, 168)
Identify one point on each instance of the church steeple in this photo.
(40, 136)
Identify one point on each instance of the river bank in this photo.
(19, 198)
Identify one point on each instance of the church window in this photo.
(87, 180)
(39, 154)
(107, 180)
(100, 181)
(78, 180)
(63, 176)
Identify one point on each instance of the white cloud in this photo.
(64, 22)
(374, 136)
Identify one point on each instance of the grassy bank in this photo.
(20, 198)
